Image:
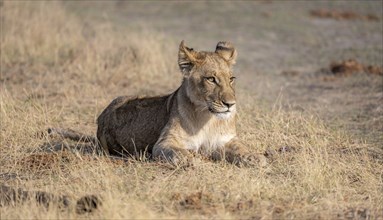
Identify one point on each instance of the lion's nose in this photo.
(228, 103)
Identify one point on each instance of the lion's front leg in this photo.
(235, 152)
(170, 152)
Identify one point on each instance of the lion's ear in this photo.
(187, 57)
(227, 51)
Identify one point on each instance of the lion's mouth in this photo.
(219, 112)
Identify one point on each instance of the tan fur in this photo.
(198, 117)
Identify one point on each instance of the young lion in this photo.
(198, 117)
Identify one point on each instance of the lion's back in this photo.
(128, 124)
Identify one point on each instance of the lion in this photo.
(198, 117)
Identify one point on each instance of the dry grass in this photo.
(56, 71)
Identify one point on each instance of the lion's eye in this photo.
(232, 79)
(211, 79)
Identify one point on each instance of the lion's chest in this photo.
(209, 139)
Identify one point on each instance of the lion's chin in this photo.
(223, 115)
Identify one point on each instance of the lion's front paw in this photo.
(178, 157)
(250, 160)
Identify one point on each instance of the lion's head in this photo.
(209, 78)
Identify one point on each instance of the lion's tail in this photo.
(72, 135)
(87, 144)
